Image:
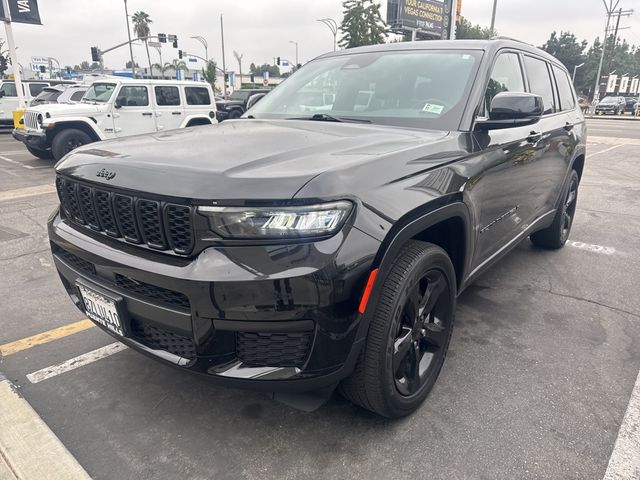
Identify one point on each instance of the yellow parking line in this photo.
(45, 337)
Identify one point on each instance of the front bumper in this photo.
(32, 138)
(275, 318)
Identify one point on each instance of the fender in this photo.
(199, 116)
(60, 123)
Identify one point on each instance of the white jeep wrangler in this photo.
(115, 108)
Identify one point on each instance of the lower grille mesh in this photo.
(157, 338)
(164, 295)
(273, 349)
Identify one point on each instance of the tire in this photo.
(556, 235)
(411, 320)
(233, 114)
(68, 140)
(43, 154)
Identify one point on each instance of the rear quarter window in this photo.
(565, 90)
(166, 95)
(197, 96)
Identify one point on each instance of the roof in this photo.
(490, 46)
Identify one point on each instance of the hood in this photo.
(67, 109)
(222, 103)
(241, 159)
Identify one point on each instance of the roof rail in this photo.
(501, 37)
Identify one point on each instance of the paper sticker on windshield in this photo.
(432, 108)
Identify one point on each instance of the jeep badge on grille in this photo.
(106, 174)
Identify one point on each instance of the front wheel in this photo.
(36, 152)
(234, 114)
(409, 335)
(556, 235)
(68, 140)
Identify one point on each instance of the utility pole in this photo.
(620, 13)
(596, 90)
(224, 62)
(133, 63)
(493, 16)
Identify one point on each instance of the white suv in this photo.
(115, 108)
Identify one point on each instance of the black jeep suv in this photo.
(304, 247)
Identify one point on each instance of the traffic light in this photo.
(95, 54)
(278, 61)
(162, 38)
(179, 53)
(43, 69)
(253, 78)
(175, 43)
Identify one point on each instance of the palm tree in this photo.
(239, 59)
(176, 65)
(141, 21)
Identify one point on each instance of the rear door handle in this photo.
(534, 137)
(176, 113)
(147, 114)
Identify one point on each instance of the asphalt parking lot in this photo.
(541, 370)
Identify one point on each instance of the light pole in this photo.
(573, 79)
(596, 89)
(133, 63)
(493, 16)
(204, 43)
(333, 26)
(296, 44)
(159, 49)
(224, 62)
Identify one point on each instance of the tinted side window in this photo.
(36, 88)
(77, 96)
(197, 96)
(565, 91)
(167, 96)
(540, 82)
(506, 76)
(9, 90)
(133, 96)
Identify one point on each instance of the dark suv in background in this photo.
(309, 246)
(611, 106)
(237, 103)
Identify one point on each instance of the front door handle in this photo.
(176, 113)
(147, 114)
(534, 137)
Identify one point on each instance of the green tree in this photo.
(210, 74)
(4, 58)
(566, 48)
(141, 28)
(466, 30)
(362, 24)
(274, 70)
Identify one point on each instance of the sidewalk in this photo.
(614, 117)
(29, 450)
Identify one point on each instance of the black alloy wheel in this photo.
(68, 140)
(411, 320)
(423, 332)
(556, 235)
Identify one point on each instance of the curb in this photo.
(28, 448)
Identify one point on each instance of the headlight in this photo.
(277, 222)
(39, 119)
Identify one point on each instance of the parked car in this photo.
(630, 104)
(9, 96)
(611, 106)
(296, 251)
(237, 103)
(116, 108)
(60, 94)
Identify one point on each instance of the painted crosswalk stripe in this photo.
(77, 362)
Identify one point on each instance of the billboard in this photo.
(24, 11)
(429, 16)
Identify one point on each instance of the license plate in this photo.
(101, 309)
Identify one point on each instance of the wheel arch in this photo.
(82, 125)
(578, 165)
(195, 120)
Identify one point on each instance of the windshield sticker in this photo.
(433, 108)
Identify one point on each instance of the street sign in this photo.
(24, 11)
(193, 60)
(432, 17)
(155, 44)
(611, 83)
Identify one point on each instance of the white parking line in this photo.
(26, 192)
(624, 463)
(605, 150)
(77, 362)
(592, 248)
(29, 167)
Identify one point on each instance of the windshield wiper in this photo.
(324, 117)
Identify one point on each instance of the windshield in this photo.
(48, 95)
(240, 95)
(99, 92)
(424, 89)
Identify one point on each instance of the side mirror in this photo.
(511, 109)
(117, 103)
(1, 94)
(254, 99)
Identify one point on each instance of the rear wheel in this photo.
(409, 333)
(68, 140)
(43, 154)
(233, 114)
(556, 235)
